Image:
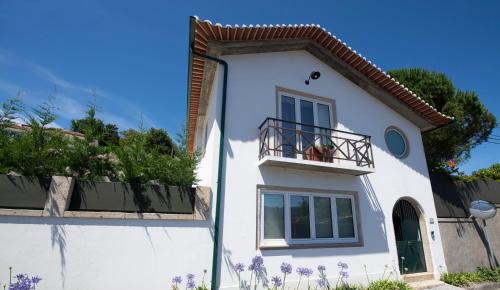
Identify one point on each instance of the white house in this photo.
(322, 156)
(311, 155)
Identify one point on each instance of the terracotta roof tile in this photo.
(204, 31)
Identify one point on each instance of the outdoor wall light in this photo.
(314, 76)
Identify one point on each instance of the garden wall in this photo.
(464, 239)
(95, 235)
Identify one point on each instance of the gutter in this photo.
(218, 200)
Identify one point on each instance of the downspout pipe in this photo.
(218, 199)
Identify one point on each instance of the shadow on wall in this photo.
(372, 220)
(453, 198)
(59, 234)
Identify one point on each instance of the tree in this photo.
(159, 140)
(9, 110)
(472, 125)
(37, 152)
(492, 172)
(156, 140)
(105, 134)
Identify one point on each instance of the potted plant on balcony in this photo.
(327, 152)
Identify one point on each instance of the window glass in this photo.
(274, 213)
(307, 119)
(306, 218)
(299, 215)
(395, 142)
(324, 116)
(345, 218)
(324, 121)
(288, 139)
(323, 217)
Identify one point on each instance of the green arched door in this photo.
(408, 238)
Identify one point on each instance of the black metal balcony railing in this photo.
(296, 140)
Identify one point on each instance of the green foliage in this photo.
(159, 141)
(38, 152)
(86, 160)
(140, 162)
(345, 287)
(386, 284)
(435, 88)
(140, 156)
(95, 129)
(472, 125)
(466, 278)
(490, 173)
(10, 109)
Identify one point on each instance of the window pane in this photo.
(345, 218)
(274, 213)
(288, 139)
(324, 116)
(307, 118)
(395, 143)
(324, 121)
(299, 214)
(323, 217)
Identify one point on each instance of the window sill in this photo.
(311, 245)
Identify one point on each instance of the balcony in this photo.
(300, 146)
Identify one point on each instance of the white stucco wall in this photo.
(251, 98)
(103, 254)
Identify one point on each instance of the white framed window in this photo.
(305, 114)
(289, 218)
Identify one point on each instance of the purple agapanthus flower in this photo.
(321, 283)
(190, 276)
(239, 267)
(286, 268)
(342, 265)
(321, 268)
(304, 271)
(24, 282)
(257, 264)
(190, 284)
(177, 280)
(276, 281)
(35, 279)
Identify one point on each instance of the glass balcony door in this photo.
(300, 116)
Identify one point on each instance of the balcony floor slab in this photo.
(318, 166)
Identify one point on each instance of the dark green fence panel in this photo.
(23, 192)
(129, 197)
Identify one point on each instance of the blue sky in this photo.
(134, 53)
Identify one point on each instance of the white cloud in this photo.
(69, 108)
(9, 88)
(72, 98)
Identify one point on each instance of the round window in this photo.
(396, 142)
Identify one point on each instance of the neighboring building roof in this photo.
(311, 37)
(25, 128)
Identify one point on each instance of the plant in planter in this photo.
(40, 150)
(327, 152)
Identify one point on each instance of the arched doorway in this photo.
(409, 240)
